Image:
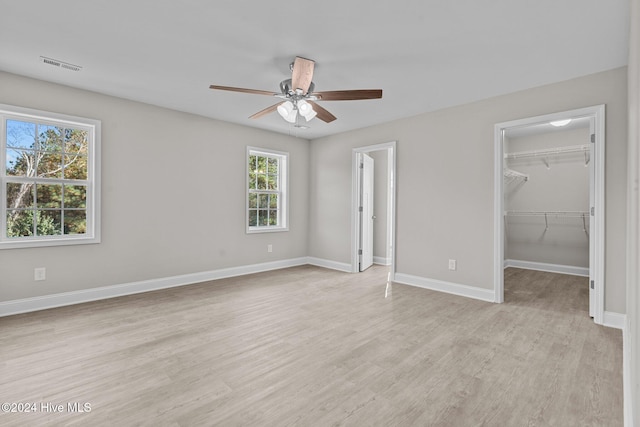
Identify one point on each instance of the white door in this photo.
(366, 212)
(591, 219)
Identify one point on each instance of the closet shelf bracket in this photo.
(511, 175)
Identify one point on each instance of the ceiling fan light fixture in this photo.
(310, 115)
(291, 118)
(306, 110)
(285, 109)
(304, 107)
(288, 111)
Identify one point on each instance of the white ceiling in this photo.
(424, 54)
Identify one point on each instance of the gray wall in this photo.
(157, 223)
(563, 186)
(173, 196)
(445, 176)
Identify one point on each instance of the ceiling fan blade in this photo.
(323, 114)
(243, 90)
(265, 111)
(302, 74)
(348, 95)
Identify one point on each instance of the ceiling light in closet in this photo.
(559, 123)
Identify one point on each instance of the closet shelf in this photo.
(548, 152)
(556, 214)
(575, 214)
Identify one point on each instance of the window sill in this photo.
(39, 243)
(254, 230)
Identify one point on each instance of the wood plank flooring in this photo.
(307, 346)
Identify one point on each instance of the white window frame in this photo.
(93, 128)
(283, 190)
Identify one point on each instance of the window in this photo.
(50, 179)
(266, 190)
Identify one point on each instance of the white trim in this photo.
(391, 212)
(597, 270)
(552, 268)
(626, 373)
(26, 305)
(327, 263)
(498, 213)
(597, 267)
(381, 260)
(450, 288)
(614, 320)
(631, 335)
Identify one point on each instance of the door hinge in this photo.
(359, 251)
(593, 213)
(593, 138)
(361, 165)
(593, 284)
(360, 209)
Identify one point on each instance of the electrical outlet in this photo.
(269, 248)
(452, 264)
(39, 273)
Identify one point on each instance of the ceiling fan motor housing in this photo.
(288, 91)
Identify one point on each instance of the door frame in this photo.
(391, 207)
(596, 239)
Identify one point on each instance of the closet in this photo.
(546, 197)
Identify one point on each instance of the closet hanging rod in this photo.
(547, 151)
(576, 214)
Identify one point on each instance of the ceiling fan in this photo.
(299, 97)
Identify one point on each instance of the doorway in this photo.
(377, 226)
(593, 216)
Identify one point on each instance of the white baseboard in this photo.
(614, 320)
(552, 268)
(326, 263)
(450, 288)
(381, 260)
(26, 305)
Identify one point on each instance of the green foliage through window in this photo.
(46, 171)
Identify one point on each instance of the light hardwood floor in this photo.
(307, 346)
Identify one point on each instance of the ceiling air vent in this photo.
(60, 64)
